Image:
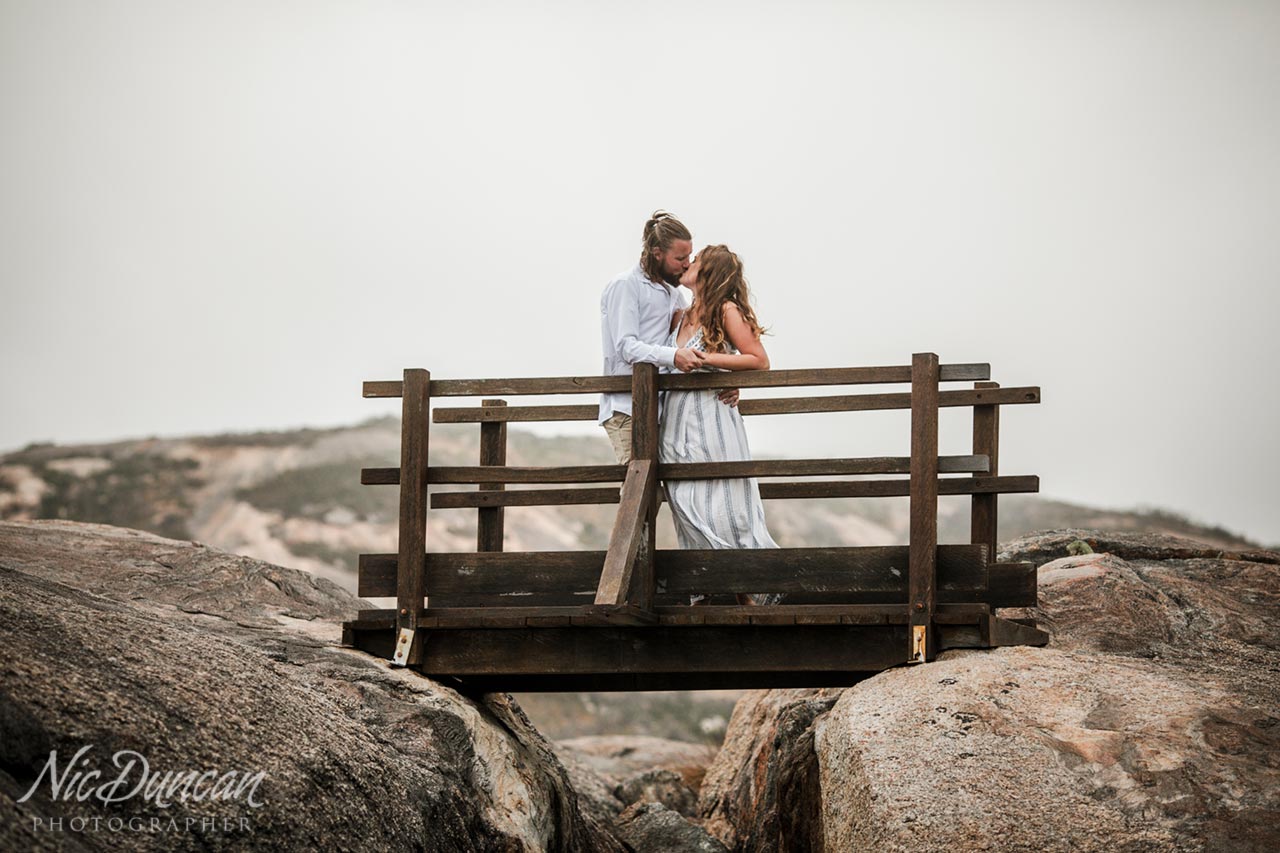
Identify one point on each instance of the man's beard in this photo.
(672, 279)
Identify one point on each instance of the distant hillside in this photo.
(294, 498)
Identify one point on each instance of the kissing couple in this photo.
(644, 318)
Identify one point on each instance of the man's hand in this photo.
(689, 359)
(729, 396)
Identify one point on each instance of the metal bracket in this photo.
(917, 644)
(404, 645)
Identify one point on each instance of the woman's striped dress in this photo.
(697, 427)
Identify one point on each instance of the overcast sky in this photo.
(223, 216)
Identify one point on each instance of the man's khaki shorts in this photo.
(619, 429)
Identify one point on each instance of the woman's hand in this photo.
(689, 359)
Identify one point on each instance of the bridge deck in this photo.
(714, 647)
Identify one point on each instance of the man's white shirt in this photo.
(635, 320)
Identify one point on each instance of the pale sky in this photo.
(223, 216)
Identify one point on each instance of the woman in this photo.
(697, 427)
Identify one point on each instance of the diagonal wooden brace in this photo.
(619, 563)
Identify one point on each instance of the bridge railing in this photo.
(632, 582)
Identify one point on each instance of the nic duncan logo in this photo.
(133, 777)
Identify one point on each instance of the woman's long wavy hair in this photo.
(660, 232)
(720, 280)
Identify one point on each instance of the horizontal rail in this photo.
(771, 406)
(740, 379)
(863, 569)
(843, 651)
(587, 615)
(968, 464)
(769, 491)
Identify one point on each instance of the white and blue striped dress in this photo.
(697, 427)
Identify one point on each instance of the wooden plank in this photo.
(965, 613)
(986, 441)
(876, 571)
(897, 598)
(411, 562)
(965, 464)
(523, 386)
(477, 685)
(379, 476)
(619, 561)
(820, 376)
(663, 648)
(625, 614)
(1012, 585)
(924, 498)
(382, 389)
(548, 621)
(828, 619)
(814, 467)
(586, 615)
(1006, 632)
(644, 447)
(468, 617)
(631, 682)
(877, 402)
(961, 637)
(490, 573)
(861, 569)
(745, 379)
(767, 406)
(385, 617)
(897, 488)
(525, 497)
(837, 673)
(493, 452)
(508, 474)
(471, 414)
(978, 484)
(469, 598)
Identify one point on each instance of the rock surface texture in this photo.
(1150, 722)
(201, 660)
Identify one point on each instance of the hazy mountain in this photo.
(294, 498)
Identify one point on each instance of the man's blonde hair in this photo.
(660, 232)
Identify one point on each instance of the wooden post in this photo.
(986, 440)
(411, 565)
(493, 451)
(644, 447)
(923, 552)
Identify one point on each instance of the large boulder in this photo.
(762, 791)
(197, 660)
(1022, 748)
(1149, 722)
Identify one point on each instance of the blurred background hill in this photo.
(294, 498)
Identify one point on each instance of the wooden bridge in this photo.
(620, 619)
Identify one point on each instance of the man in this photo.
(635, 320)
